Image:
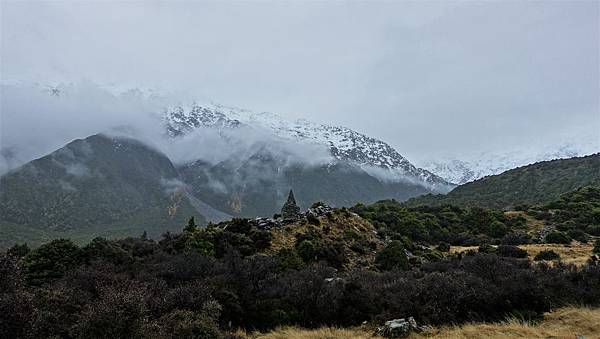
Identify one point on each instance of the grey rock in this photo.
(398, 328)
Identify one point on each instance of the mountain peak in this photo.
(344, 144)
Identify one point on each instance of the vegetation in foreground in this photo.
(140, 288)
(568, 322)
(335, 268)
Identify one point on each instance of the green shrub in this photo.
(546, 255)
(578, 235)
(201, 243)
(51, 261)
(289, 259)
(511, 251)
(596, 246)
(391, 257)
(556, 237)
(307, 250)
(443, 247)
(18, 250)
(486, 248)
(188, 324)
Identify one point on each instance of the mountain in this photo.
(476, 166)
(98, 185)
(254, 182)
(258, 186)
(538, 183)
(343, 143)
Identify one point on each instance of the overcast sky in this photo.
(429, 78)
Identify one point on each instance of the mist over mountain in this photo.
(170, 160)
(470, 167)
(97, 185)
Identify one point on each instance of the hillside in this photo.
(476, 165)
(94, 186)
(257, 186)
(537, 183)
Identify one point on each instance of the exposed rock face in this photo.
(319, 209)
(398, 328)
(266, 224)
(290, 210)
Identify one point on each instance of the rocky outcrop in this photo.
(266, 224)
(318, 209)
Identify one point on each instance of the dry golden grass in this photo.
(320, 333)
(565, 323)
(575, 253)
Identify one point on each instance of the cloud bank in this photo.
(430, 78)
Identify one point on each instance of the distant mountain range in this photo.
(344, 144)
(476, 166)
(532, 184)
(217, 162)
(114, 185)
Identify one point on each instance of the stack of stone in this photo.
(290, 211)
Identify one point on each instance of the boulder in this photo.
(398, 328)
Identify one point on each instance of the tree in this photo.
(392, 257)
(51, 261)
(18, 251)
(191, 226)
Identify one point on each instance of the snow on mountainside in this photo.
(345, 144)
(477, 166)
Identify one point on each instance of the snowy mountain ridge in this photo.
(344, 144)
(475, 166)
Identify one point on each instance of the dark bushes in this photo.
(393, 256)
(557, 237)
(159, 292)
(546, 255)
(511, 251)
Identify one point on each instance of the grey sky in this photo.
(428, 77)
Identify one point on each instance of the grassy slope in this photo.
(575, 253)
(538, 183)
(562, 323)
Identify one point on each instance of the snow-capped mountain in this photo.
(476, 166)
(373, 155)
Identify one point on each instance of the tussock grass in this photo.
(568, 322)
(574, 253)
(320, 333)
(563, 323)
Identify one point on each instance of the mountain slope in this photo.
(258, 186)
(98, 184)
(344, 144)
(537, 183)
(476, 166)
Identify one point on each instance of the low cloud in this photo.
(37, 120)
